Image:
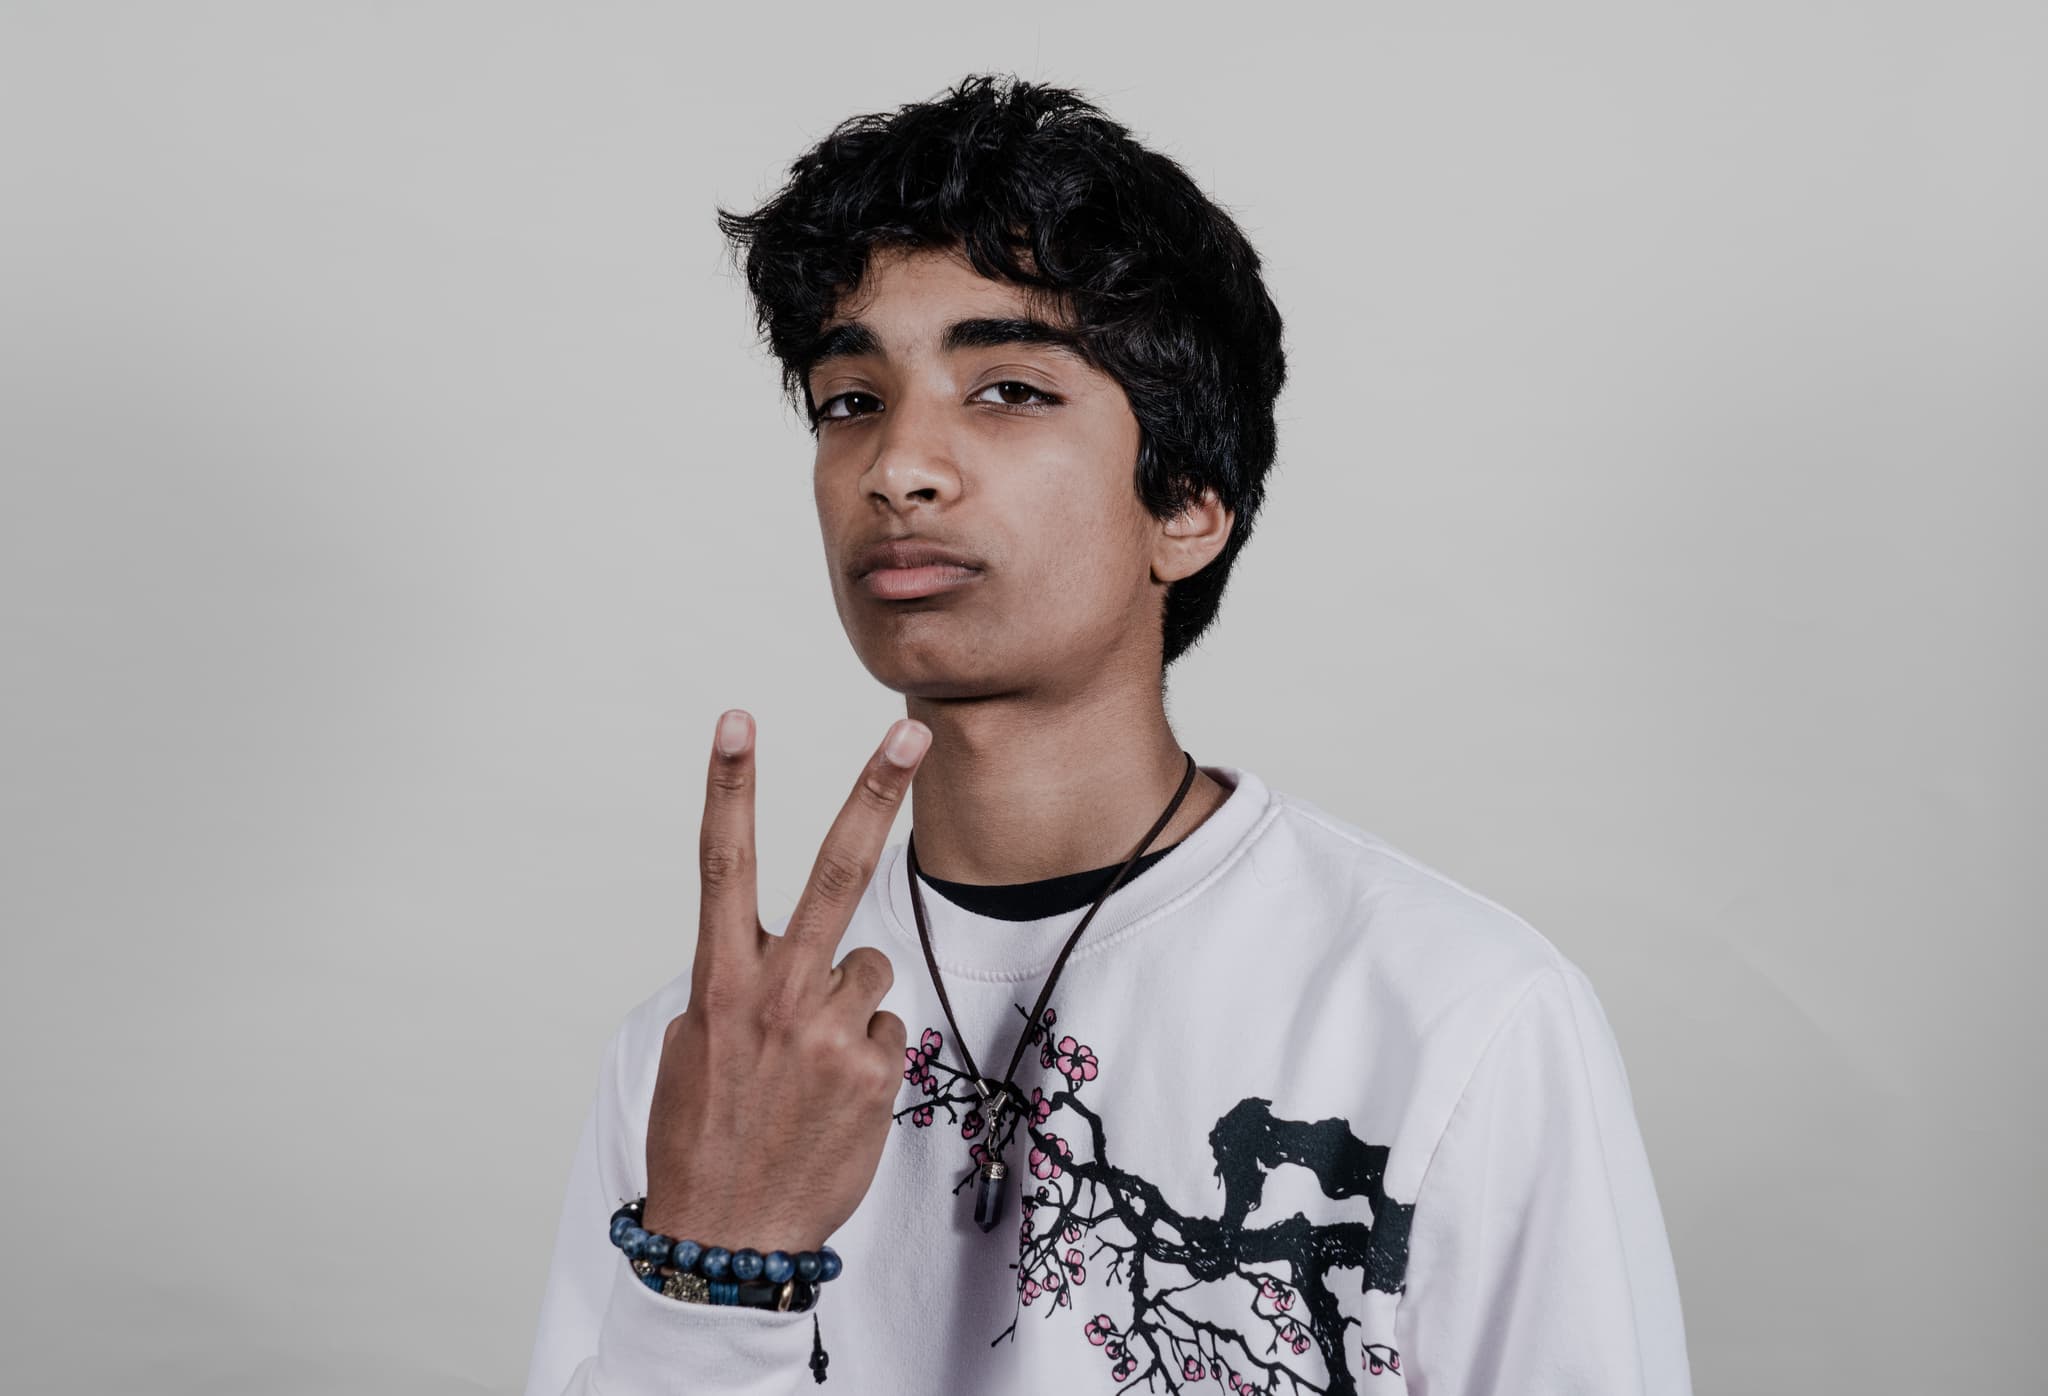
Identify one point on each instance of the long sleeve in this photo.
(1539, 1264)
(603, 1333)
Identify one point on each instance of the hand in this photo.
(778, 1080)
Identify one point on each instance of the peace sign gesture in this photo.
(773, 1098)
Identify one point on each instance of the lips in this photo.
(903, 553)
(902, 569)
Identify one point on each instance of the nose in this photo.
(913, 455)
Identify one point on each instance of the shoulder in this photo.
(1434, 968)
(1439, 977)
(1415, 924)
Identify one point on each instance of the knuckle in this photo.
(725, 859)
(730, 778)
(722, 862)
(836, 1040)
(869, 970)
(889, 1030)
(838, 877)
(880, 789)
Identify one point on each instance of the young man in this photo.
(1294, 1112)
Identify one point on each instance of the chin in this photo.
(927, 680)
(931, 666)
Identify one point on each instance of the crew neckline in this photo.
(974, 946)
(1045, 896)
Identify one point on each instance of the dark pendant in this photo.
(989, 1194)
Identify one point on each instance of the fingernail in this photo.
(732, 733)
(907, 741)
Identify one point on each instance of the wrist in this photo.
(710, 1224)
(684, 1268)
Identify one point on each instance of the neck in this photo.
(1015, 790)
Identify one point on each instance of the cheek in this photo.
(1075, 541)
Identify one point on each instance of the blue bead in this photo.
(715, 1263)
(651, 1280)
(746, 1264)
(776, 1267)
(630, 1242)
(655, 1248)
(620, 1226)
(808, 1266)
(686, 1255)
(725, 1292)
(829, 1264)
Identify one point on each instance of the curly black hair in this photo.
(1041, 189)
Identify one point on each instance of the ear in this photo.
(1191, 539)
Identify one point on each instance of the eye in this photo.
(1045, 398)
(826, 414)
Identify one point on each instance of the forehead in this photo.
(910, 298)
(932, 302)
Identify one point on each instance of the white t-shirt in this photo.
(1309, 1117)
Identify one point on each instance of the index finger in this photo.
(854, 843)
(728, 912)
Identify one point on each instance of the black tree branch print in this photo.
(1179, 1270)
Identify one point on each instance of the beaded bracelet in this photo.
(702, 1274)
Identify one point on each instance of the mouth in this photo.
(909, 583)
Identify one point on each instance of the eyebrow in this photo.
(855, 339)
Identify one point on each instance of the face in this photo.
(1015, 457)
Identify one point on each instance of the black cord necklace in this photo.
(999, 1096)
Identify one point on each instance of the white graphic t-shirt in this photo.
(1306, 1116)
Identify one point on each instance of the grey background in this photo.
(394, 495)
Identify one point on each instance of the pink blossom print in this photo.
(1076, 1062)
(1045, 1162)
(1088, 1222)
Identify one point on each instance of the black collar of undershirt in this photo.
(1033, 901)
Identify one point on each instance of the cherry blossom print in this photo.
(918, 1069)
(1076, 1062)
(1087, 1221)
(1046, 1158)
(950, 1090)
